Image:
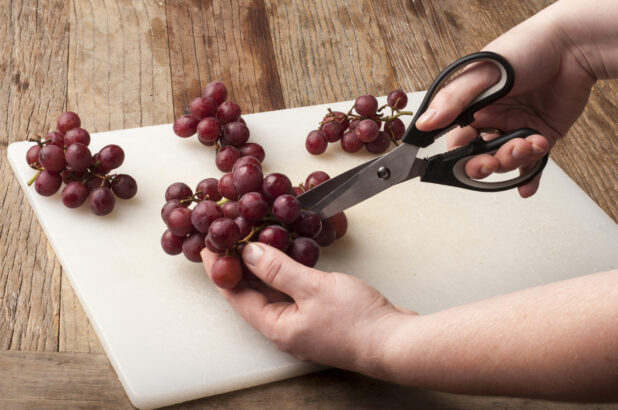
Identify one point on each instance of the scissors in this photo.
(402, 163)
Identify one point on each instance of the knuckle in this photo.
(272, 269)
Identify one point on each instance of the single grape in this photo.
(226, 187)
(202, 107)
(327, 234)
(55, 138)
(192, 246)
(67, 121)
(179, 221)
(248, 178)
(316, 142)
(367, 131)
(275, 185)
(395, 128)
(366, 105)
(52, 158)
(171, 244)
(253, 206)
(217, 91)
(354, 124)
(226, 157)
(95, 182)
(230, 209)
(253, 150)
(78, 157)
(305, 251)
(307, 224)
(204, 214)
(124, 186)
(101, 201)
(178, 190)
(169, 206)
(224, 233)
(185, 126)
(333, 130)
(226, 272)
(381, 143)
(208, 243)
(340, 117)
(236, 133)
(246, 161)
(228, 112)
(207, 189)
(397, 99)
(111, 156)
(32, 155)
(74, 194)
(76, 135)
(208, 130)
(286, 208)
(275, 236)
(315, 178)
(350, 142)
(298, 190)
(244, 226)
(47, 183)
(340, 224)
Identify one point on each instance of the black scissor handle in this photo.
(448, 168)
(493, 93)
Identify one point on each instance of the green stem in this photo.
(31, 180)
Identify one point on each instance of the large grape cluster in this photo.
(365, 125)
(63, 156)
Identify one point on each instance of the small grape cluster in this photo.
(63, 156)
(363, 128)
(244, 206)
(218, 123)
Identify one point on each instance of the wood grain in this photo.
(223, 40)
(32, 92)
(328, 51)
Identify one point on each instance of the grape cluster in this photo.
(218, 123)
(244, 206)
(63, 156)
(363, 128)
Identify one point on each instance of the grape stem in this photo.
(31, 180)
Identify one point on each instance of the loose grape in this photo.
(226, 272)
(316, 142)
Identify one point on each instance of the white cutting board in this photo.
(172, 338)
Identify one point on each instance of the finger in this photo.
(459, 137)
(513, 154)
(451, 100)
(529, 189)
(280, 271)
(482, 166)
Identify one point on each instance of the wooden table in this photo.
(123, 64)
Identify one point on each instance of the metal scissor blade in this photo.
(395, 167)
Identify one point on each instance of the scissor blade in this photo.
(367, 182)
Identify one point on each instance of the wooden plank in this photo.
(222, 40)
(328, 51)
(33, 60)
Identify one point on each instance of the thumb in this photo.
(280, 271)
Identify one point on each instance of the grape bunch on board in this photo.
(218, 123)
(63, 156)
(365, 125)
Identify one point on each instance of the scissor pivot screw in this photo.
(384, 173)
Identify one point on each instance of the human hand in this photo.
(328, 318)
(550, 92)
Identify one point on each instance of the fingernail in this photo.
(518, 153)
(537, 149)
(485, 170)
(252, 253)
(427, 115)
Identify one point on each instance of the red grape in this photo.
(340, 224)
(307, 224)
(76, 135)
(275, 236)
(171, 244)
(230, 209)
(192, 246)
(248, 178)
(397, 127)
(205, 213)
(47, 183)
(179, 221)
(32, 155)
(226, 157)
(101, 201)
(202, 107)
(169, 206)
(381, 143)
(96, 182)
(185, 126)
(253, 206)
(52, 158)
(340, 117)
(217, 91)
(350, 142)
(78, 157)
(226, 187)
(315, 178)
(224, 233)
(305, 251)
(74, 194)
(211, 247)
(228, 112)
(316, 142)
(366, 105)
(254, 150)
(124, 186)
(244, 226)
(286, 208)
(367, 131)
(208, 130)
(327, 234)
(297, 191)
(333, 130)
(354, 124)
(236, 133)
(397, 99)
(207, 189)
(276, 184)
(178, 190)
(55, 138)
(67, 121)
(226, 272)
(111, 156)
(246, 161)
